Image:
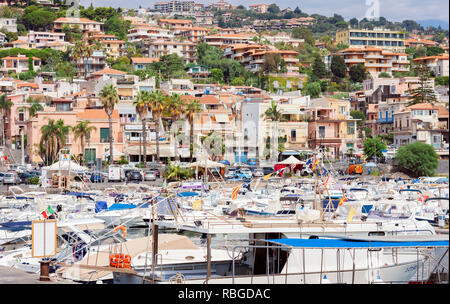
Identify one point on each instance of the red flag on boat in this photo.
(342, 200)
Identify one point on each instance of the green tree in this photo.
(82, 131)
(238, 81)
(338, 66)
(191, 109)
(35, 107)
(174, 107)
(357, 73)
(5, 106)
(156, 106)
(273, 8)
(434, 51)
(373, 146)
(109, 98)
(384, 75)
(40, 19)
(142, 105)
(303, 33)
(312, 89)
(418, 158)
(318, 68)
(53, 138)
(424, 93)
(217, 75)
(274, 114)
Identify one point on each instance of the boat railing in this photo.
(421, 251)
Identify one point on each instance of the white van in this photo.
(116, 173)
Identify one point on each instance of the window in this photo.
(350, 128)
(89, 155)
(21, 115)
(294, 135)
(63, 107)
(342, 110)
(321, 131)
(104, 135)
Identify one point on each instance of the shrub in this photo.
(34, 180)
(417, 158)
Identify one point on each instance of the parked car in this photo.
(157, 173)
(231, 173)
(267, 170)
(2, 174)
(150, 175)
(11, 178)
(244, 173)
(135, 176)
(258, 173)
(97, 177)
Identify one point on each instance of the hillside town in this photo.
(185, 142)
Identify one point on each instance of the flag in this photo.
(351, 214)
(308, 162)
(324, 171)
(315, 163)
(50, 211)
(326, 182)
(164, 184)
(44, 214)
(342, 200)
(280, 170)
(197, 205)
(423, 198)
(235, 192)
(266, 177)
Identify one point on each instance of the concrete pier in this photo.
(16, 276)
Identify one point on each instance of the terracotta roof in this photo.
(109, 71)
(423, 41)
(208, 99)
(144, 59)
(112, 41)
(75, 20)
(27, 84)
(19, 58)
(422, 106)
(442, 57)
(175, 20)
(92, 114)
(443, 113)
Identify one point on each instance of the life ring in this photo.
(120, 260)
(121, 228)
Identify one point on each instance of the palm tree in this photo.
(82, 131)
(174, 107)
(5, 106)
(156, 106)
(53, 138)
(274, 114)
(141, 103)
(109, 99)
(191, 109)
(82, 50)
(35, 107)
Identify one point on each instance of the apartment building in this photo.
(291, 63)
(114, 48)
(382, 38)
(222, 40)
(149, 32)
(140, 63)
(86, 66)
(284, 38)
(10, 24)
(186, 50)
(419, 122)
(83, 24)
(437, 64)
(375, 60)
(171, 23)
(193, 34)
(331, 127)
(42, 39)
(419, 42)
(174, 6)
(259, 8)
(19, 63)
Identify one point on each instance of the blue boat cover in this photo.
(187, 194)
(340, 243)
(20, 197)
(121, 207)
(100, 206)
(80, 194)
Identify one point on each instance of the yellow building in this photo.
(385, 39)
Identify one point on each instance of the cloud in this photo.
(396, 10)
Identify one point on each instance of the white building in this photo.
(10, 24)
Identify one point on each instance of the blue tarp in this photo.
(340, 243)
(80, 194)
(16, 224)
(100, 206)
(20, 197)
(187, 194)
(121, 207)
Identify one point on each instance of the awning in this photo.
(340, 243)
(222, 117)
(164, 150)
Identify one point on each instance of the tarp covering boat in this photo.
(121, 207)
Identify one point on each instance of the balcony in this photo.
(385, 65)
(355, 60)
(385, 120)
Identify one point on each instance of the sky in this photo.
(394, 10)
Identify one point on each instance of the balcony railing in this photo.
(385, 120)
